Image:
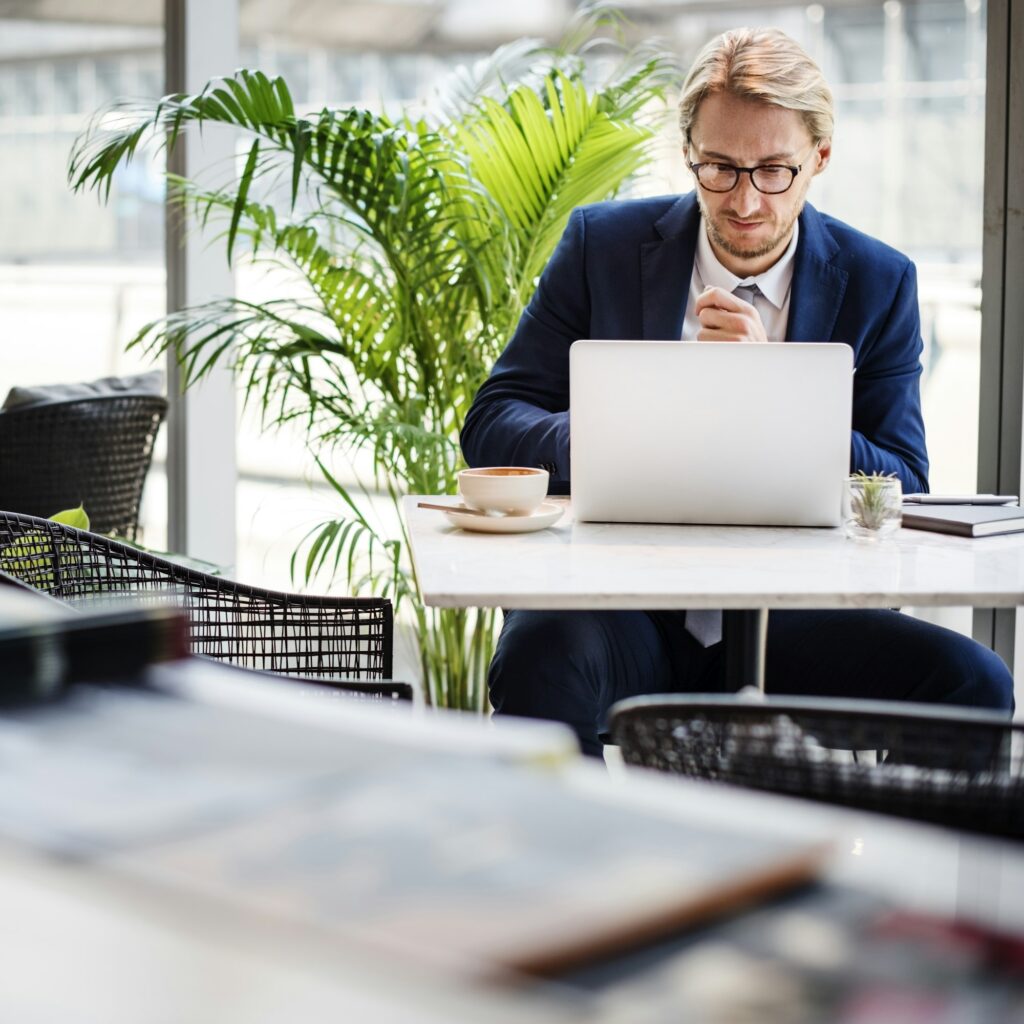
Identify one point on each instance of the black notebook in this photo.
(965, 520)
(45, 645)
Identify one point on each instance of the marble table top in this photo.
(615, 565)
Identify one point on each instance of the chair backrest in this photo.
(951, 766)
(92, 451)
(318, 638)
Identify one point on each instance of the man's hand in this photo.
(724, 317)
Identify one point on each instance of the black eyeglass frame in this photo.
(737, 171)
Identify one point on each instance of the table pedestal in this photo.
(744, 633)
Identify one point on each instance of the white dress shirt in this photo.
(771, 300)
(774, 286)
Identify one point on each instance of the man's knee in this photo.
(993, 683)
(970, 674)
(545, 662)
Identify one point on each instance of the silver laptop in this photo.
(721, 433)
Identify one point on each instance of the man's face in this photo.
(750, 230)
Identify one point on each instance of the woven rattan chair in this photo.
(950, 766)
(343, 642)
(92, 451)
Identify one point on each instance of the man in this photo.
(756, 118)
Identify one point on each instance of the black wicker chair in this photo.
(950, 766)
(91, 451)
(342, 642)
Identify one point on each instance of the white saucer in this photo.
(540, 518)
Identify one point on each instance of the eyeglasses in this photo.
(768, 178)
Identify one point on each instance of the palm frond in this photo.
(248, 99)
(518, 61)
(543, 155)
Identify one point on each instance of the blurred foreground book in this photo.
(451, 858)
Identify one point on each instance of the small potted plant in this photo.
(873, 506)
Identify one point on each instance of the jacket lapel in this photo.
(665, 269)
(818, 286)
(666, 266)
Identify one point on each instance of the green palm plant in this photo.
(419, 240)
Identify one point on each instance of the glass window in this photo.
(346, 79)
(938, 47)
(77, 278)
(7, 91)
(855, 52)
(908, 168)
(28, 98)
(403, 77)
(66, 88)
(151, 76)
(108, 74)
(294, 68)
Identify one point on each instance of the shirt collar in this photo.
(773, 284)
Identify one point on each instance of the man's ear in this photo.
(824, 152)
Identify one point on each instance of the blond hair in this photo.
(761, 64)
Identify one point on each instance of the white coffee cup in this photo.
(516, 490)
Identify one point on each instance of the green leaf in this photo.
(76, 517)
(243, 192)
(300, 145)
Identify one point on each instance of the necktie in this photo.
(746, 292)
(705, 625)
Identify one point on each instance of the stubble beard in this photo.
(766, 247)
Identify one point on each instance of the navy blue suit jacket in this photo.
(622, 270)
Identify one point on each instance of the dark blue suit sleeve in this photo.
(520, 416)
(888, 434)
